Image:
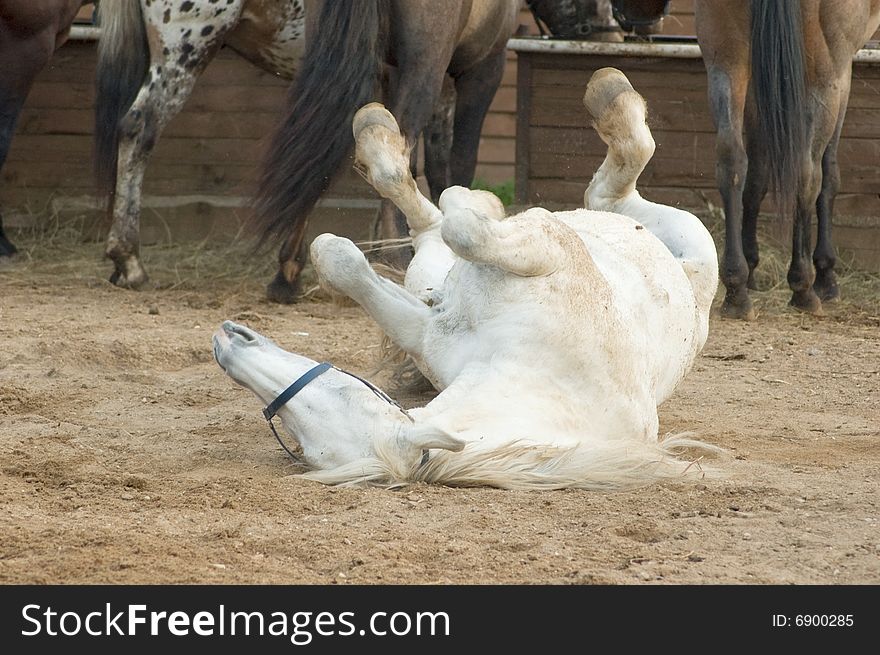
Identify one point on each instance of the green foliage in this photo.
(504, 190)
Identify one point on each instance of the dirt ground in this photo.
(127, 455)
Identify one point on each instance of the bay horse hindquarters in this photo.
(30, 31)
(779, 76)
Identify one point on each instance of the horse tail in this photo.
(338, 74)
(123, 59)
(779, 87)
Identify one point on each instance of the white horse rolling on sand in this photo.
(552, 337)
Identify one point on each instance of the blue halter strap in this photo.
(298, 385)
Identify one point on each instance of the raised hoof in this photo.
(281, 291)
(807, 302)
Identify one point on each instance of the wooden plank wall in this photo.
(563, 151)
(206, 160)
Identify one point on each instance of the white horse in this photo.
(553, 337)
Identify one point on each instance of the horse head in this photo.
(339, 420)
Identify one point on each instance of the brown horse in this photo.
(30, 31)
(347, 44)
(780, 71)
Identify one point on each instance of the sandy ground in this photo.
(127, 455)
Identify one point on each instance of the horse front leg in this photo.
(342, 268)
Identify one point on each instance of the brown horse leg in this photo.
(9, 110)
(824, 124)
(757, 181)
(438, 137)
(800, 271)
(285, 286)
(15, 82)
(727, 90)
(824, 259)
(475, 90)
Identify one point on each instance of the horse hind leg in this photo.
(823, 128)
(177, 58)
(727, 92)
(342, 268)
(438, 137)
(825, 284)
(475, 90)
(754, 190)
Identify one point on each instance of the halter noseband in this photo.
(302, 381)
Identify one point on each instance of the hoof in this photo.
(738, 306)
(738, 312)
(7, 250)
(281, 291)
(371, 114)
(128, 272)
(827, 289)
(807, 302)
(129, 281)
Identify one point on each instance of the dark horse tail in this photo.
(338, 74)
(123, 58)
(779, 87)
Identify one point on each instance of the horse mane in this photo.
(596, 467)
(338, 74)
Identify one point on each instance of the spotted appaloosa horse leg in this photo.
(177, 57)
